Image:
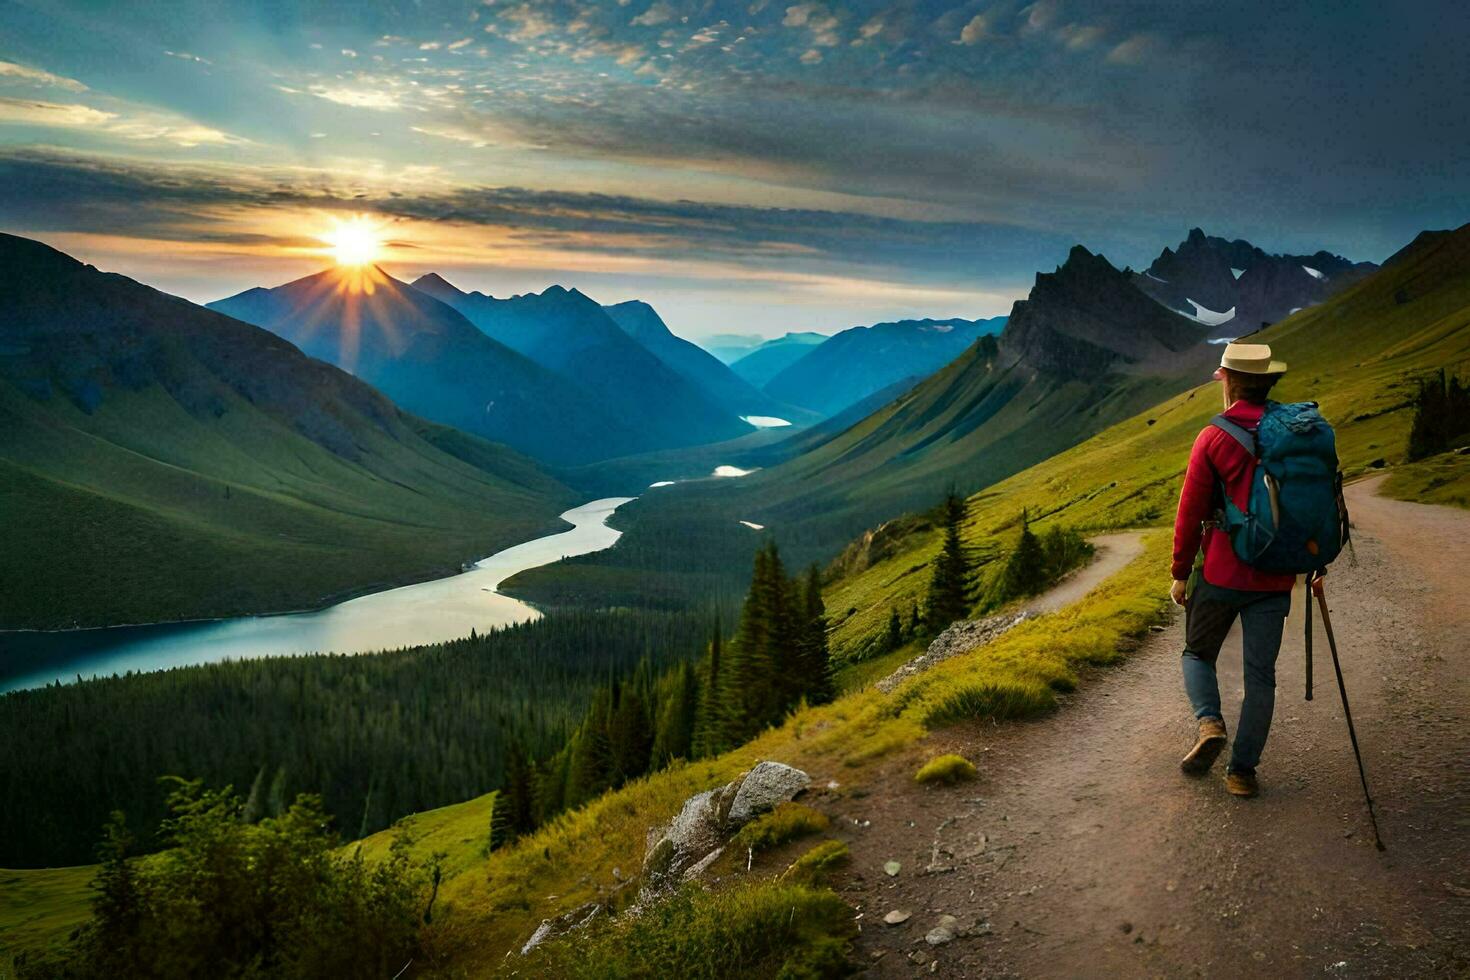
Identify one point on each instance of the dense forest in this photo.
(377, 736)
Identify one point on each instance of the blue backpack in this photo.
(1296, 520)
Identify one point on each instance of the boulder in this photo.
(766, 785)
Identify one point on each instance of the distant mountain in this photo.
(569, 333)
(1087, 318)
(852, 365)
(432, 361)
(731, 347)
(769, 359)
(691, 362)
(1236, 288)
(159, 460)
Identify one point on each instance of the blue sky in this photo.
(756, 166)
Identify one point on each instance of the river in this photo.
(428, 612)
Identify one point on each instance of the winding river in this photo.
(428, 612)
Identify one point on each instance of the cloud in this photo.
(975, 30)
(1133, 51)
(34, 112)
(812, 57)
(143, 125)
(1040, 15)
(658, 13)
(1079, 36)
(358, 98)
(12, 72)
(529, 22)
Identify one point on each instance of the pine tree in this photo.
(500, 832)
(949, 592)
(916, 627)
(816, 673)
(517, 791)
(710, 722)
(678, 704)
(895, 630)
(630, 730)
(1025, 572)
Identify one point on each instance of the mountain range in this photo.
(1236, 288)
(159, 460)
(852, 365)
(570, 334)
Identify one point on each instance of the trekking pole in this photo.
(1307, 588)
(1321, 594)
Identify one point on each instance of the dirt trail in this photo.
(1082, 851)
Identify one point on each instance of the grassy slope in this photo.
(122, 515)
(1358, 353)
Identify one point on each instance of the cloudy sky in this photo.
(756, 166)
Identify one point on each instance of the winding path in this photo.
(1082, 851)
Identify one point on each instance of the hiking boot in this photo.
(1206, 748)
(1241, 783)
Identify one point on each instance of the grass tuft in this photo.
(947, 769)
(787, 822)
(817, 863)
(788, 931)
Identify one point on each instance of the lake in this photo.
(428, 612)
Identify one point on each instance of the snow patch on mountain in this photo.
(1237, 273)
(1313, 272)
(1209, 317)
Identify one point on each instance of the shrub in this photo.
(948, 769)
(788, 931)
(787, 822)
(230, 898)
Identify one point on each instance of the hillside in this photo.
(759, 365)
(159, 460)
(432, 361)
(570, 334)
(1235, 288)
(856, 363)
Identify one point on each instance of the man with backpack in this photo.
(1263, 495)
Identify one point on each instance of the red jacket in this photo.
(1218, 458)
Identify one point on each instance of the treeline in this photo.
(776, 660)
(1441, 415)
(378, 736)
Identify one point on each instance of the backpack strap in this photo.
(1239, 433)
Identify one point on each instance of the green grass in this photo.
(785, 931)
(946, 769)
(1442, 479)
(40, 908)
(787, 822)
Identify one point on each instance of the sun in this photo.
(355, 241)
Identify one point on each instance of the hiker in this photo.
(1228, 587)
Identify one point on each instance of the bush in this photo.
(235, 899)
(787, 931)
(947, 769)
(787, 822)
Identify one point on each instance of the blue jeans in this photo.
(1207, 619)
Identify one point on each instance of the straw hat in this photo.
(1250, 359)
